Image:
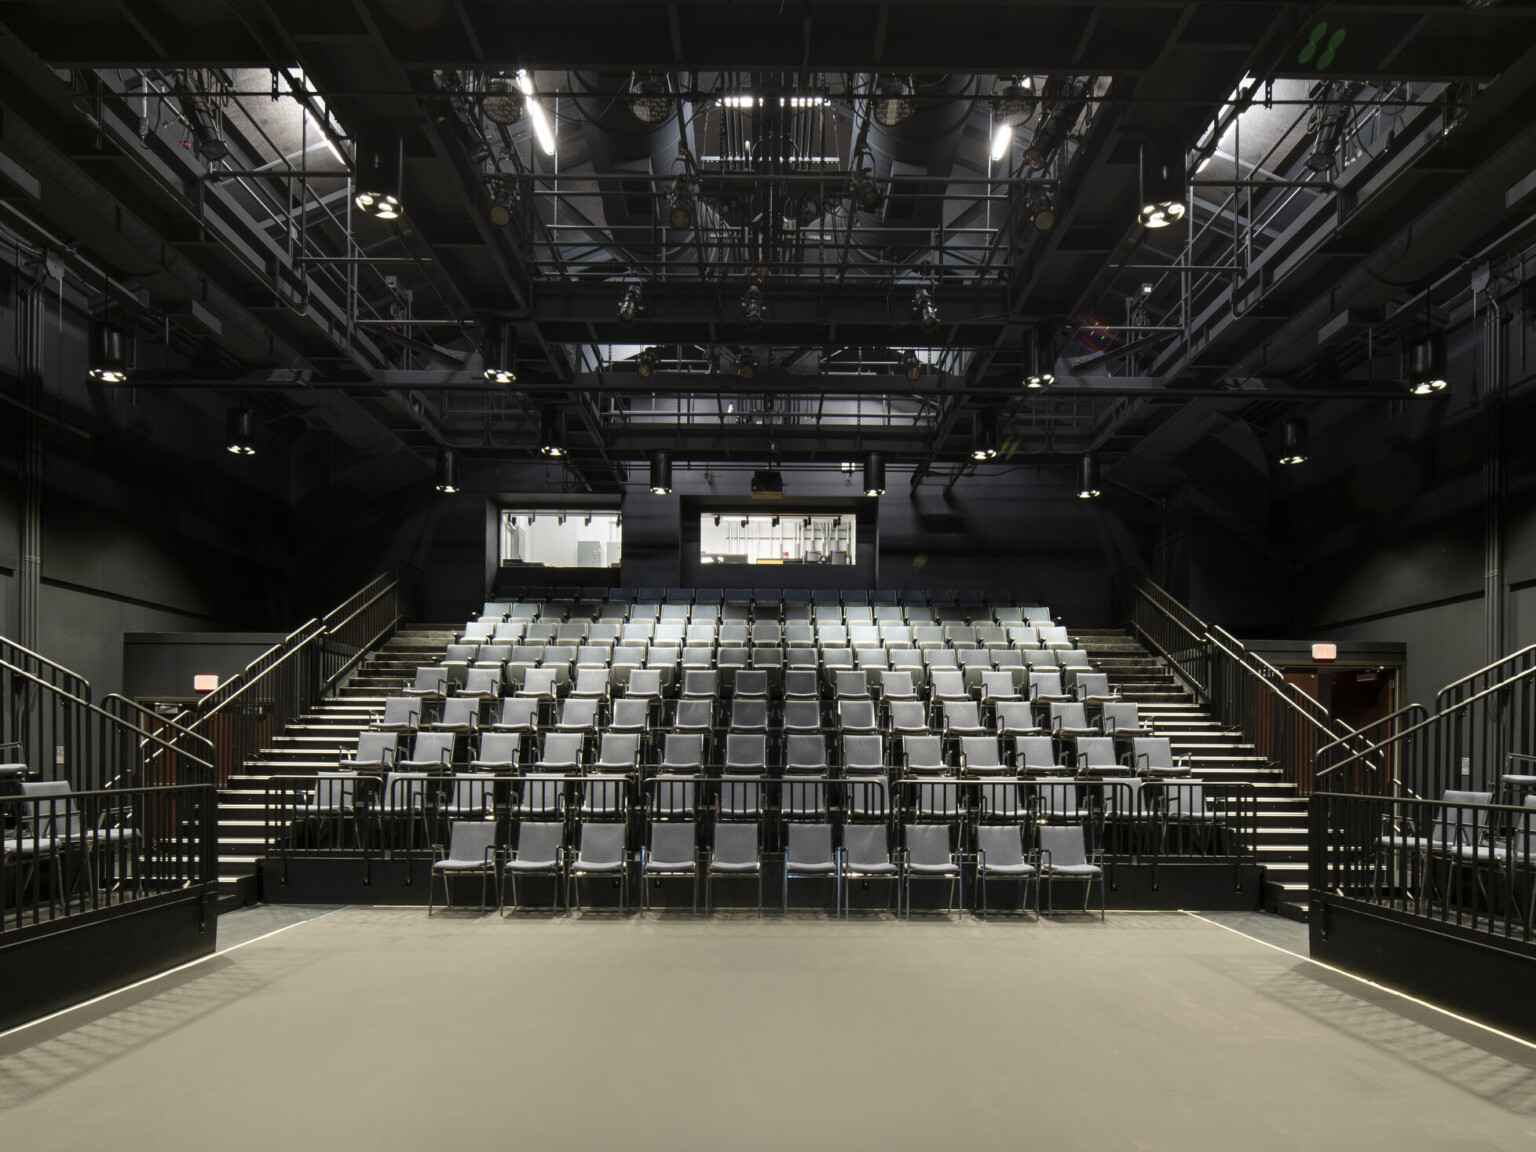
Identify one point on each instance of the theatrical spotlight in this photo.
(681, 202)
(646, 362)
(911, 366)
(551, 434)
(1293, 441)
(661, 473)
(499, 358)
(197, 111)
(1062, 102)
(1041, 214)
(1039, 375)
(893, 103)
(1013, 108)
(239, 426)
(379, 161)
(503, 102)
(1327, 125)
(866, 193)
(109, 360)
(746, 365)
(650, 105)
(924, 310)
(754, 308)
(1426, 365)
(631, 306)
(874, 475)
(447, 472)
(1162, 183)
(983, 439)
(1088, 478)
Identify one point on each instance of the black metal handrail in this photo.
(245, 712)
(45, 669)
(1241, 689)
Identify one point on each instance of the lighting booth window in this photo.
(725, 538)
(560, 538)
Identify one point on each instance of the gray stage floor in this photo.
(371, 1028)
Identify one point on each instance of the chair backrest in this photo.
(431, 679)
(1095, 752)
(1116, 717)
(1151, 752)
(460, 653)
(683, 752)
(601, 843)
(997, 685)
(377, 748)
(483, 681)
(927, 844)
(1455, 821)
(468, 840)
(980, 753)
(751, 683)
(808, 844)
(948, 684)
(619, 750)
(802, 714)
(961, 714)
(1014, 716)
(644, 684)
(1066, 843)
(805, 752)
(539, 682)
(801, 684)
(1069, 716)
(433, 748)
(897, 685)
(1003, 844)
(694, 715)
(519, 712)
(404, 791)
(736, 843)
(591, 681)
(863, 754)
(578, 712)
(908, 716)
(538, 843)
(749, 714)
(866, 844)
(1033, 752)
(851, 685)
(673, 842)
(1091, 683)
(499, 748)
(561, 750)
(856, 714)
(746, 752)
(402, 710)
(461, 712)
(1044, 684)
(923, 753)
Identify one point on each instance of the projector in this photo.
(767, 486)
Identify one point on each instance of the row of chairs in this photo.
(766, 634)
(1018, 853)
(850, 606)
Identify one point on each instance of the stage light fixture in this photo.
(1162, 183)
(681, 202)
(646, 362)
(503, 102)
(1015, 106)
(197, 111)
(499, 358)
(1329, 116)
(239, 429)
(1088, 477)
(631, 305)
(109, 360)
(924, 310)
(911, 366)
(746, 365)
(983, 438)
(447, 473)
(378, 162)
(866, 193)
(893, 102)
(661, 473)
(1293, 441)
(648, 101)
(874, 475)
(1426, 365)
(1041, 214)
(753, 306)
(551, 433)
(1039, 375)
(1062, 102)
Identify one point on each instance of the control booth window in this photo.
(726, 538)
(560, 538)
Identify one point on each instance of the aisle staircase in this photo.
(1218, 755)
(315, 743)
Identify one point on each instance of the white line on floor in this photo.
(1371, 983)
(163, 975)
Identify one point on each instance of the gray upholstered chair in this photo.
(808, 854)
(1064, 855)
(471, 849)
(1000, 855)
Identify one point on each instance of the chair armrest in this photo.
(1044, 855)
(491, 856)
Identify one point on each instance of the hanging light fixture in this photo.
(499, 361)
(911, 366)
(1088, 477)
(681, 202)
(1061, 103)
(1162, 182)
(1039, 375)
(983, 438)
(239, 428)
(661, 473)
(1293, 441)
(1015, 106)
(924, 310)
(866, 193)
(378, 164)
(645, 363)
(746, 365)
(551, 433)
(108, 358)
(1426, 365)
(648, 101)
(447, 479)
(893, 103)
(503, 102)
(631, 305)
(1041, 214)
(874, 475)
(753, 306)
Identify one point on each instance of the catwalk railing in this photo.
(1480, 721)
(1465, 867)
(1241, 689)
(402, 816)
(73, 856)
(245, 712)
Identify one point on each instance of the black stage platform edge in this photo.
(1132, 887)
(45, 973)
(1466, 972)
